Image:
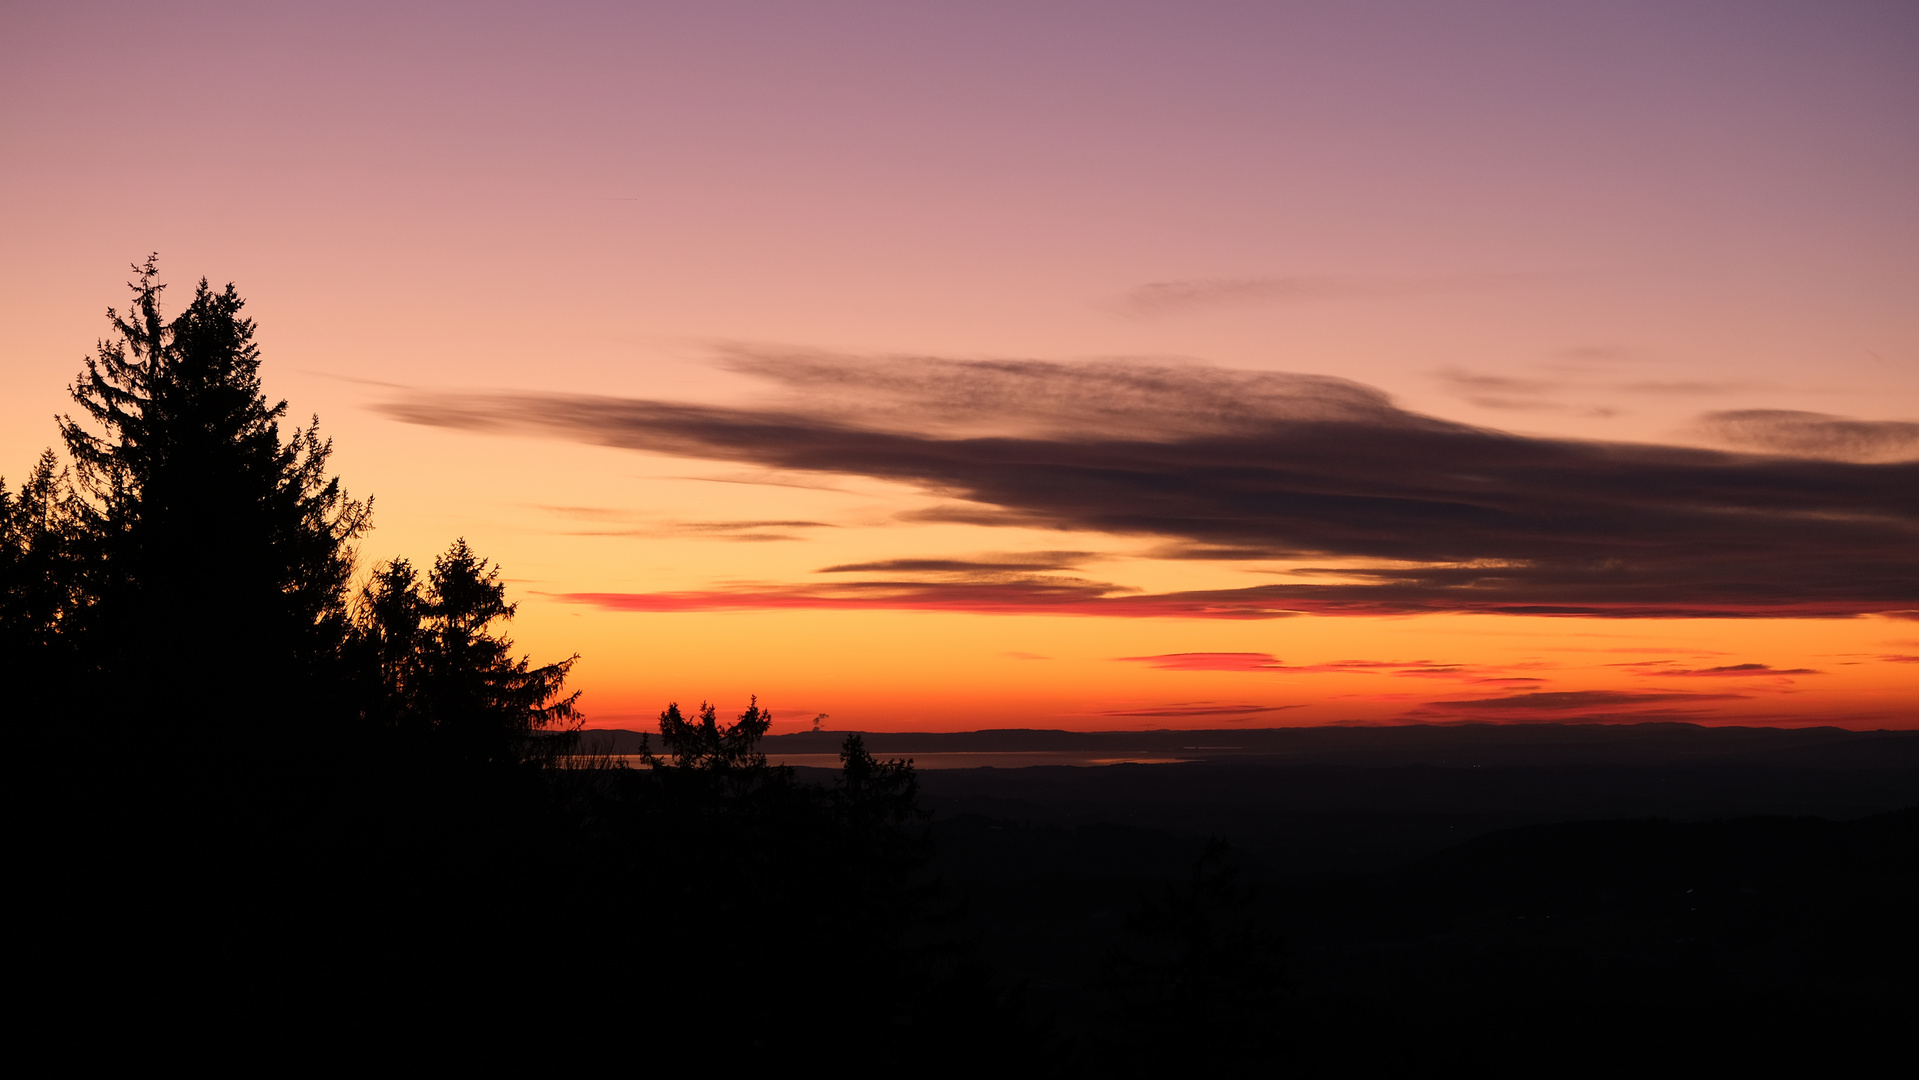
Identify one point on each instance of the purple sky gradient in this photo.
(1687, 224)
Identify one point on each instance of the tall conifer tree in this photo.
(223, 554)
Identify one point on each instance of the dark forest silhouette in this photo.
(256, 801)
(322, 805)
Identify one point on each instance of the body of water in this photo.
(1014, 759)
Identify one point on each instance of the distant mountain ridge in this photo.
(1459, 745)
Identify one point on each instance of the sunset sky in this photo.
(1099, 366)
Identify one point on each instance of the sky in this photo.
(1094, 366)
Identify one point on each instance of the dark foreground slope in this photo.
(1453, 899)
(1623, 940)
(1426, 899)
(1320, 800)
(1583, 942)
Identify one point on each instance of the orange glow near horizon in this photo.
(617, 295)
(938, 672)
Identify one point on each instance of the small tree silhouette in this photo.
(703, 745)
(437, 671)
(40, 588)
(390, 636)
(876, 793)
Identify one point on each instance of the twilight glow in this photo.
(1092, 367)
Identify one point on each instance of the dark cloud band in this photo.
(1441, 516)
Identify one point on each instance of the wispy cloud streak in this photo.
(1581, 705)
(1185, 295)
(1664, 670)
(1195, 708)
(1266, 662)
(1811, 434)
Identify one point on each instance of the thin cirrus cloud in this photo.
(1047, 596)
(1194, 708)
(940, 397)
(1187, 295)
(991, 567)
(1502, 391)
(1262, 662)
(1424, 515)
(1661, 669)
(1518, 394)
(1816, 435)
(611, 522)
(1211, 661)
(1581, 700)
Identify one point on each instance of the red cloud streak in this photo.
(1250, 661)
(1259, 602)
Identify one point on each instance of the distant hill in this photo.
(1313, 800)
(1419, 744)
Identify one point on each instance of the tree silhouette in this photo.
(40, 543)
(438, 672)
(702, 744)
(389, 638)
(181, 598)
(220, 549)
(301, 782)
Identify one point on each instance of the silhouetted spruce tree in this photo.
(436, 674)
(387, 651)
(196, 571)
(216, 579)
(40, 556)
(877, 792)
(701, 745)
(186, 588)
